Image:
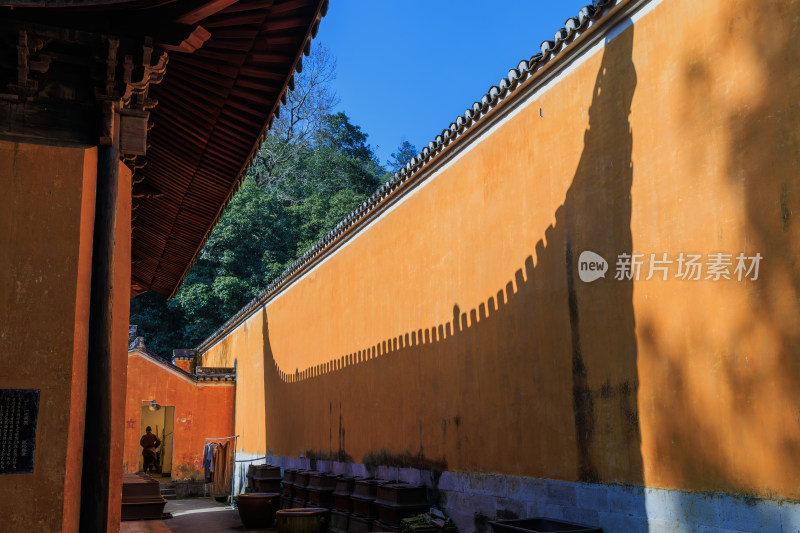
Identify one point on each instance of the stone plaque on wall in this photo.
(19, 409)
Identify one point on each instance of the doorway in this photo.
(162, 424)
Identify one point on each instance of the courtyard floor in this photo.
(191, 515)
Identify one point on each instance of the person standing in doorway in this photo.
(149, 442)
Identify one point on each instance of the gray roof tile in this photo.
(573, 27)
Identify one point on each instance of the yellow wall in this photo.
(246, 349)
(454, 332)
(46, 226)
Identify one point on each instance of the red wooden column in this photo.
(97, 433)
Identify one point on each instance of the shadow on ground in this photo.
(192, 515)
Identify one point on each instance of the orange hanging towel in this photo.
(222, 470)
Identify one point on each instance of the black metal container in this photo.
(363, 498)
(266, 478)
(341, 496)
(301, 480)
(339, 522)
(359, 524)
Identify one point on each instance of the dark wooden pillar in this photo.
(97, 433)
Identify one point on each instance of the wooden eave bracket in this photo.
(143, 190)
(26, 49)
(190, 44)
(153, 74)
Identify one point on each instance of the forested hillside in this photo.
(314, 167)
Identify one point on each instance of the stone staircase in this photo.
(168, 490)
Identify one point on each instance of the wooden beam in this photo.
(205, 9)
(52, 123)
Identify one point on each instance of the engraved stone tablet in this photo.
(19, 409)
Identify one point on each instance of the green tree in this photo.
(401, 156)
(268, 224)
(162, 323)
(300, 118)
(313, 168)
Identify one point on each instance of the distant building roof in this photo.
(202, 374)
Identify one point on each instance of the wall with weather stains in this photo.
(453, 332)
(46, 225)
(202, 410)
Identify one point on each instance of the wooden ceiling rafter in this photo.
(213, 66)
(271, 42)
(234, 20)
(260, 73)
(289, 7)
(198, 97)
(247, 34)
(219, 90)
(220, 55)
(210, 78)
(289, 23)
(236, 45)
(250, 5)
(205, 10)
(214, 107)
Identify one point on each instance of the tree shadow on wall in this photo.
(727, 408)
(539, 381)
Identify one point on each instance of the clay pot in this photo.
(257, 509)
(307, 520)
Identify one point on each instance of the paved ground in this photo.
(192, 515)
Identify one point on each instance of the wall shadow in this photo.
(540, 380)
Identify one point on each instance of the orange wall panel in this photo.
(46, 226)
(454, 330)
(202, 410)
(245, 350)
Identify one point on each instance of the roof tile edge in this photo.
(573, 28)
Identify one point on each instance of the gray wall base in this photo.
(474, 499)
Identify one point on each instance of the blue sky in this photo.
(407, 68)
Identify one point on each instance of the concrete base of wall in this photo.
(188, 489)
(472, 500)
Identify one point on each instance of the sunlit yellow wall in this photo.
(245, 350)
(455, 332)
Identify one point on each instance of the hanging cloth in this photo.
(222, 471)
(208, 461)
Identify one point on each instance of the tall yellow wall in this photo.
(246, 350)
(454, 332)
(46, 226)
